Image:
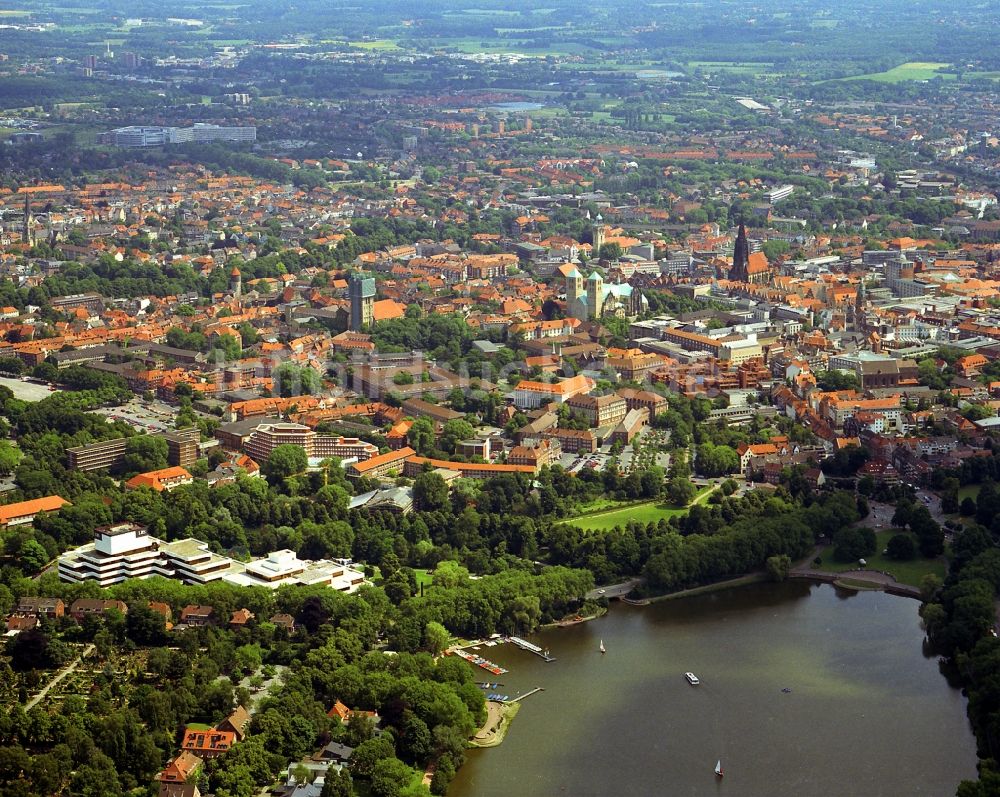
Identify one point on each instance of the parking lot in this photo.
(153, 416)
(27, 391)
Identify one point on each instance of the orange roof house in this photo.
(241, 617)
(341, 712)
(160, 480)
(181, 769)
(207, 743)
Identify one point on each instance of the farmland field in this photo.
(912, 70)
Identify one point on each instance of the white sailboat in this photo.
(602, 647)
(718, 768)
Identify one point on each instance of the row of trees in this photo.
(959, 617)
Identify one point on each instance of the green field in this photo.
(504, 45)
(605, 518)
(969, 491)
(744, 67)
(423, 577)
(905, 572)
(912, 70)
(378, 44)
(650, 512)
(598, 505)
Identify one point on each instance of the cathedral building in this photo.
(749, 267)
(593, 298)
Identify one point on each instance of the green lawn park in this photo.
(611, 514)
(969, 491)
(905, 572)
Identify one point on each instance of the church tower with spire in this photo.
(597, 235)
(860, 307)
(28, 225)
(236, 283)
(595, 296)
(740, 272)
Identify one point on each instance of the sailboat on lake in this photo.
(603, 650)
(718, 768)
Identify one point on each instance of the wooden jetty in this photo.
(527, 694)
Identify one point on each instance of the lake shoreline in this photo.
(810, 640)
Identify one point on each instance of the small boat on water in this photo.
(692, 678)
(602, 647)
(718, 768)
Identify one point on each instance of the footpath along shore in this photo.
(498, 719)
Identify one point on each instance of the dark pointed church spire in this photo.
(740, 272)
(860, 300)
(27, 229)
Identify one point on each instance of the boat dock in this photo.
(523, 644)
(479, 661)
(527, 694)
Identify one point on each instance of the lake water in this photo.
(516, 106)
(868, 714)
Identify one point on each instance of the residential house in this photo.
(240, 618)
(84, 607)
(52, 608)
(193, 614)
(181, 769)
(237, 722)
(336, 753)
(209, 743)
(285, 621)
(749, 453)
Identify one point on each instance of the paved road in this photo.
(256, 697)
(614, 590)
(875, 578)
(62, 674)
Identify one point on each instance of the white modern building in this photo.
(117, 553)
(127, 551)
(284, 567)
(775, 195)
(154, 136)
